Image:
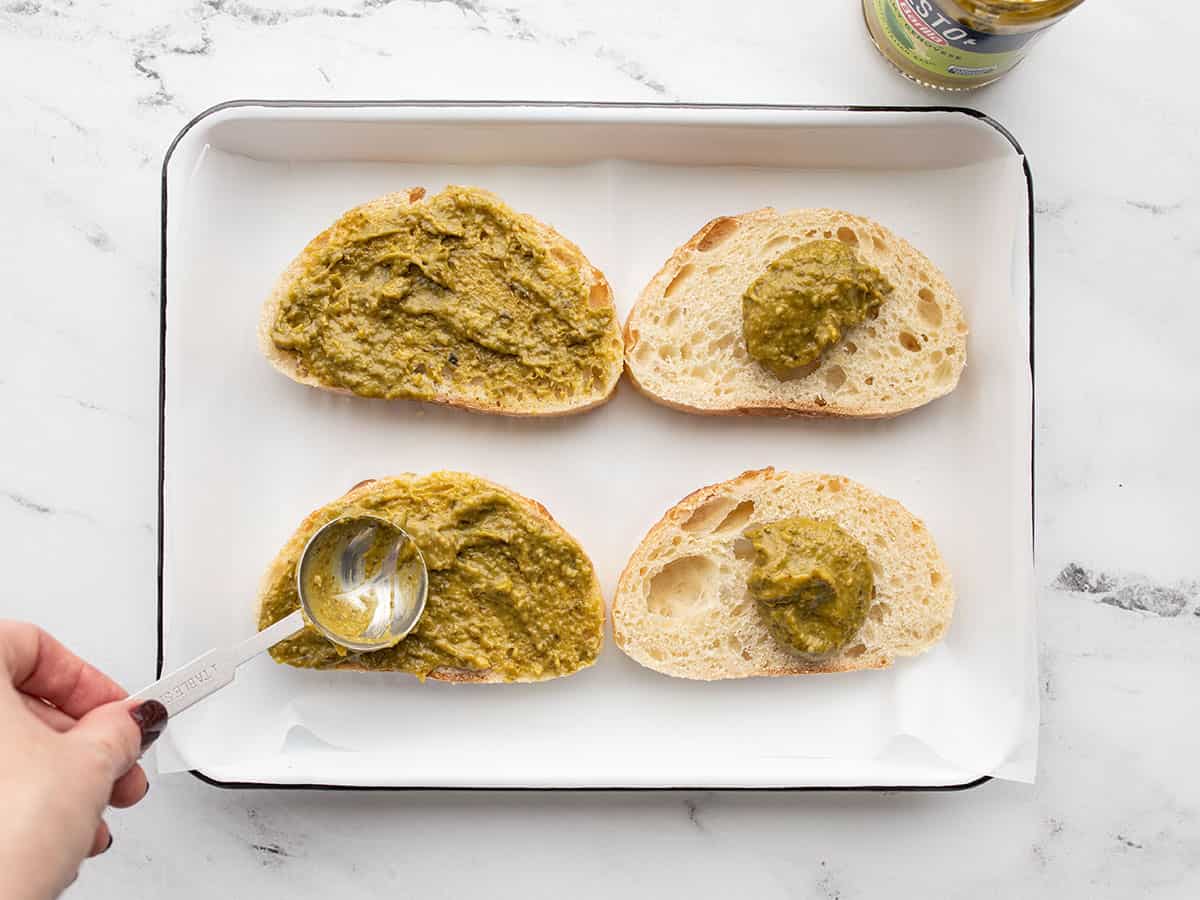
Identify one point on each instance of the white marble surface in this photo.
(93, 93)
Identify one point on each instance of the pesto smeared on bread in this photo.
(453, 298)
(512, 597)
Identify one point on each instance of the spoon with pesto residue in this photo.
(362, 583)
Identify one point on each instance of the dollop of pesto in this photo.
(805, 301)
(455, 293)
(812, 582)
(509, 592)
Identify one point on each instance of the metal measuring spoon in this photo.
(358, 570)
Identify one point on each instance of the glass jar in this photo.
(957, 45)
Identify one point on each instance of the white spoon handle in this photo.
(211, 671)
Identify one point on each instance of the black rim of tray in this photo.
(547, 104)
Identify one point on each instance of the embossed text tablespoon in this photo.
(362, 584)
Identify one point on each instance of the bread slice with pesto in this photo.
(683, 605)
(512, 596)
(452, 299)
(685, 344)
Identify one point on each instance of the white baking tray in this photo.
(247, 453)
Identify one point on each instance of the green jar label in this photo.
(938, 43)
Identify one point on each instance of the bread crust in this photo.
(287, 362)
(295, 544)
(823, 222)
(634, 624)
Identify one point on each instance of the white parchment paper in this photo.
(249, 454)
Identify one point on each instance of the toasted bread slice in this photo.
(569, 596)
(447, 382)
(684, 344)
(682, 605)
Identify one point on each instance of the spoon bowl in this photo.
(362, 582)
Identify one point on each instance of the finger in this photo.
(55, 718)
(102, 841)
(117, 733)
(42, 667)
(129, 788)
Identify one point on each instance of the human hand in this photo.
(69, 748)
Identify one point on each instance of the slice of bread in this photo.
(451, 388)
(684, 344)
(578, 594)
(683, 608)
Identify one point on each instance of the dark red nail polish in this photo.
(109, 844)
(151, 718)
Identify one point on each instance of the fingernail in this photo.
(147, 790)
(109, 844)
(151, 718)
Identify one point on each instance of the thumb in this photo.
(119, 732)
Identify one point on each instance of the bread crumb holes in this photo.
(706, 516)
(835, 377)
(743, 550)
(719, 231)
(680, 277)
(737, 518)
(928, 310)
(722, 343)
(679, 587)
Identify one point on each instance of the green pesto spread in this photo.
(346, 616)
(454, 294)
(805, 301)
(509, 592)
(361, 609)
(812, 581)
